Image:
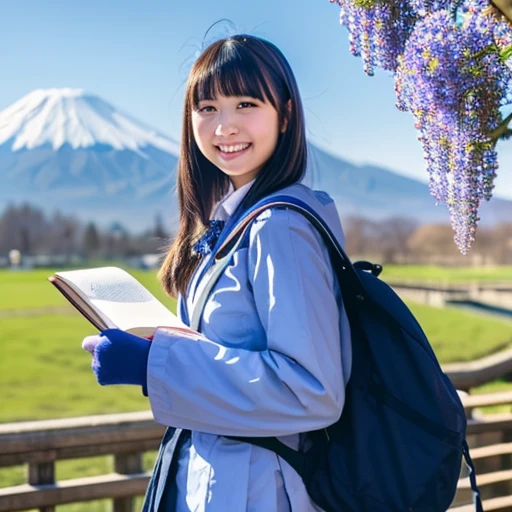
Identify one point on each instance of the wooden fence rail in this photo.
(475, 373)
(41, 444)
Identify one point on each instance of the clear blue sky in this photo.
(135, 54)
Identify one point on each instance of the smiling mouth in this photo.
(233, 153)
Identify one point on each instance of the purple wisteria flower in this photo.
(379, 29)
(453, 79)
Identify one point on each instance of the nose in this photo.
(226, 127)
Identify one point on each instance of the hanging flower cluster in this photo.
(452, 73)
(377, 30)
(453, 80)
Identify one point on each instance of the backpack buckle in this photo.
(374, 268)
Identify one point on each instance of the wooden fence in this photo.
(40, 444)
(490, 439)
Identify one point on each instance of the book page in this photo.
(122, 300)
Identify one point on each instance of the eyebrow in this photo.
(248, 96)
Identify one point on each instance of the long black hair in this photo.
(240, 65)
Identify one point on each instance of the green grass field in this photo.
(446, 274)
(44, 373)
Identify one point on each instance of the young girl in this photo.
(273, 355)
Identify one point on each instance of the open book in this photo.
(109, 297)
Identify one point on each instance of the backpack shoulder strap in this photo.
(350, 283)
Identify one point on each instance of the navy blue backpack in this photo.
(399, 443)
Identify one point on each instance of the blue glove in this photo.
(119, 358)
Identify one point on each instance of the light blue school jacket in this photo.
(274, 361)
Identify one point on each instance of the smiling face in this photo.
(238, 134)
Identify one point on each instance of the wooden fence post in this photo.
(127, 464)
(40, 473)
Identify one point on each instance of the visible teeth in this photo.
(232, 149)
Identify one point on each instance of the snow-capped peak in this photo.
(72, 116)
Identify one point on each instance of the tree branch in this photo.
(505, 7)
(502, 129)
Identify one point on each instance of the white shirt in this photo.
(229, 203)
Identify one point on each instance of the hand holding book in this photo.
(119, 357)
(127, 316)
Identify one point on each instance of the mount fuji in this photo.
(70, 150)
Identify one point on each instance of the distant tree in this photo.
(8, 238)
(500, 240)
(117, 241)
(385, 239)
(91, 242)
(159, 230)
(361, 235)
(484, 246)
(25, 242)
(22, 227)
(433, 243)
(65, 234)
(393, 236)
(431, 240)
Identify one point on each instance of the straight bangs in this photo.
(233, 71)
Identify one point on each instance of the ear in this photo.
(289, 111)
